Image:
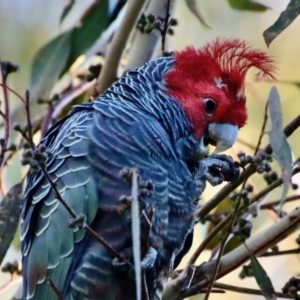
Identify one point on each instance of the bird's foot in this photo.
(127, 255)
(219, 168)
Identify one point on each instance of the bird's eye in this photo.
(210, 105)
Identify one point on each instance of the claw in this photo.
(220, 168)
(147, 262)
(149, 259)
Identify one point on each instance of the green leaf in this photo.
(262, 279)
(47, 65)
(67, 8)
(56, 57)
(191, 4)
(284, 20)
(94, 21)
(135, 214)
(10, 211)
(247, 5)
(278, 141)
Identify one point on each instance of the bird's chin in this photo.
(202, 151)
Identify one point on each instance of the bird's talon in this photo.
(149, 259)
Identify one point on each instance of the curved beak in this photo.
(223, 134)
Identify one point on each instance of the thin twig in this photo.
(6, 116)
(263, 128)
(55, 289)
(109, 70)
(29, 124)
(165, 28)
(284, 252)
(249, 145)
(146, 292)
(275, 203)
(13, 91)
(243, 290)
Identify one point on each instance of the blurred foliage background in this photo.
(26, 25)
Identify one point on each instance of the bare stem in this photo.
(6, 117)
(285, 252)
(166, 26)
(243, 290)
(275, 203)
(12, 91)
(263, 128)
(29, 124)
(108, 73)
(55, 289)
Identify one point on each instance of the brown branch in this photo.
(277, 202)
(243, 290)
(6, 117)
(29, 124)
(166, 27)
(263, 128)
(55, 289)
(12, 91)
(244, 143)
(284, 252)
(109, 70)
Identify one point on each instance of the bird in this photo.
(160, 119)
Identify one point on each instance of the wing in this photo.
(89, 150)
(47, 242)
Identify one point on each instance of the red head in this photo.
(209, 82)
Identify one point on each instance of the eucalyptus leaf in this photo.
(191, 4)
(56, 57)
(10, 211)
(247, 5)
(262, 279)
(279, 143)
(93, 22)
(67, 9)
(47, 65)
(285, 19)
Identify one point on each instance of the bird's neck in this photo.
(145, 88)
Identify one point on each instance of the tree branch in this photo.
(240, 255)
(145, 46)
(109, 71)
(243, 290)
